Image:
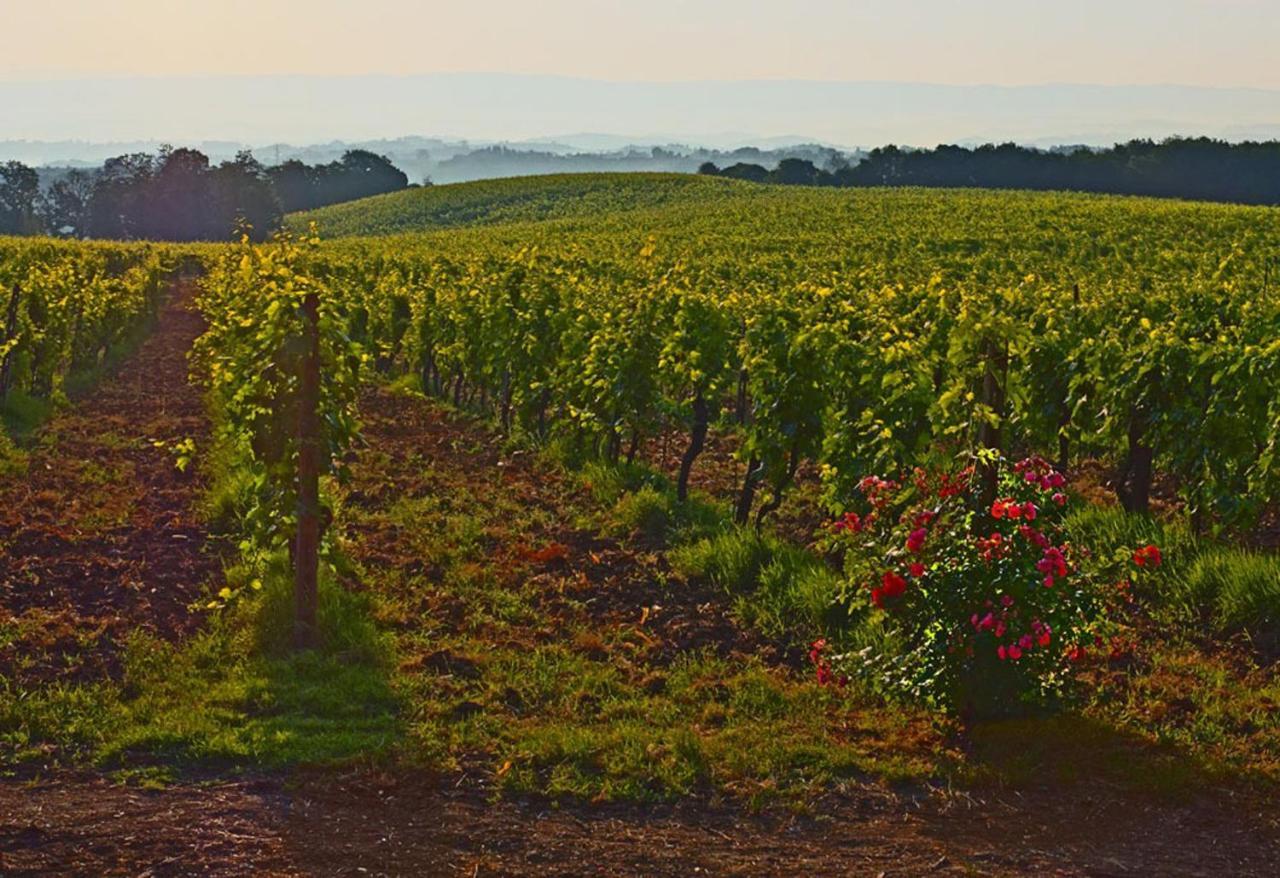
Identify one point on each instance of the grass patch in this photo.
(1242, 588)
(22, 414)
(230, 697)
(608, 483)
(1213, 709)
(778, 588)
(1200, 585)
(1107, 530)
(555, 721)
(652, 513)
(13, 460)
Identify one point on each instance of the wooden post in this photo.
(1064, 404)
(307, 550)
(996, 372)
(506, 401)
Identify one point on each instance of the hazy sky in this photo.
(1200, 42)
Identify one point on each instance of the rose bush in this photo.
(989, 606)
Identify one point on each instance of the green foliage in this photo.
(844, 330)
(64, 307)
(251, 357)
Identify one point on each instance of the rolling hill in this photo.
(516, 200)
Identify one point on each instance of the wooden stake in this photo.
(307, 554)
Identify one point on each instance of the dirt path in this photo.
(374, 824)
(99, 538)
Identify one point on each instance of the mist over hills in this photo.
(443, 161)
(460, 112)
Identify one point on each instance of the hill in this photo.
(514, 200)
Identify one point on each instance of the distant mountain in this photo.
(481, 109)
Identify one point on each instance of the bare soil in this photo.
(99, 537)
(372, 823)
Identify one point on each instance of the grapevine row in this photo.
(64, 306)
(1165, 375)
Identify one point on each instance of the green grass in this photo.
(230, 697)
(573, 718)
(1215, 711)
(1242, 588)
(705, 724)
(22, 414)
(1217, 589)
(653, 513)
(13, 460)
(1106, 529)
(780, 589)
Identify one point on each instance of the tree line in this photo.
(1193, 168)
(178, 195)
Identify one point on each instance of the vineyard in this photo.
(68, 305)
(877, 507)
(854, 332)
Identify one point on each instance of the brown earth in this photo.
(99, 537)
(370, 823)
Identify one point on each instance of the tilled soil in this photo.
(99, 537)
(579, 575)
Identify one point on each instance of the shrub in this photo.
(990, 605)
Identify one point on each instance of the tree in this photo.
(745, 171)
(795, 172)
(65, 207)
(708, 169)
(358, 174)
(19, 191)
(117, 203)
(179, 198)
(295, 185)
(245, 198)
